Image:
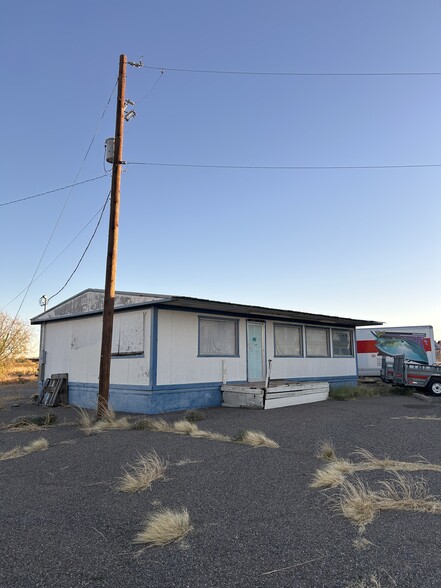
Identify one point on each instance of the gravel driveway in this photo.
(256, 521)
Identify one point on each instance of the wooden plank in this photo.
(242, 400)
(294, 400)
(242, 389)
(296, 393)
(54, 390)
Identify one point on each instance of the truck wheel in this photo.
(435, 386)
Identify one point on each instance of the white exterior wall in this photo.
(178, 361)
(307, 367)
(74, 347)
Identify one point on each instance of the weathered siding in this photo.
(74, 347)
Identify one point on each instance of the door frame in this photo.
(262, 324)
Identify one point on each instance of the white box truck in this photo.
(415, 343)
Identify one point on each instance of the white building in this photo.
(173, 352)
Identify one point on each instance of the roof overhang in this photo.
(200, 305)
(134, 301)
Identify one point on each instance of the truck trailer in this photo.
(415, 343)
(399, 372)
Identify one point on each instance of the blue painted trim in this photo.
(209, 318)
(147, 402)
(294, 326)
(168, 398)
(165, 387)
(127, 355)
(153, 346)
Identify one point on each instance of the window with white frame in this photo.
(218, 337)
(288, 341)
(317, 342)
(342, 345)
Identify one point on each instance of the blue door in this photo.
(255, 351)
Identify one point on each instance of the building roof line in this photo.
(201, 305)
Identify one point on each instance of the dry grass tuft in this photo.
(164, 527)
(329, 477)
(107, 422)
(327, 451)
(356, 502)
(202, 434)
(255, 439)
(19, 451)
(370, 462)
(407, 493)
(158, 425)
(31, 424)
(185, 427)
(149, 424)
(359, 504)
(181, 427)
(85, 420)
(334, 473)
(142, 474)
(22, 427)
(122, 424)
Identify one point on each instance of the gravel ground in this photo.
(63, 525)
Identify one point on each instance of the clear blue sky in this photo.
(356, 243)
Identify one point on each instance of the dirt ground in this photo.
(256, 521)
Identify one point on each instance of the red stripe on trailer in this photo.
(367, 346)
(417, 376)
(427, 344)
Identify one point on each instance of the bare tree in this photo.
(15, 336)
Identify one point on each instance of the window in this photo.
(287, 341)
(128, 334)
(218, 337)
(342, 343)
(317, 342)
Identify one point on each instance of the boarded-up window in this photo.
(128, 334)
(287, 341)
(342, 343)
(317, 342)
(218, 337)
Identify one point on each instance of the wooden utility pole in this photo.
(109, 293)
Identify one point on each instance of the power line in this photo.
(283, 167)
(152, 88)
(84, 252)
(293, 73)
(57, 257)
(64, 206)
(52, 191)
